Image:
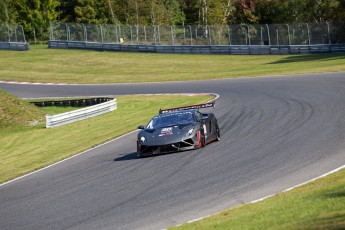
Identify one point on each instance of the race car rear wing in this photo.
(199, 106)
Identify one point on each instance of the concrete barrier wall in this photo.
(204, 49)
(18, 46)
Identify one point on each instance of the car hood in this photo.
(166, 135)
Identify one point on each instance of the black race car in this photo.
(178, 129)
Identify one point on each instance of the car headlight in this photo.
(142, 139)
(190, 131)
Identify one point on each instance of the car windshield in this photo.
(170, 119)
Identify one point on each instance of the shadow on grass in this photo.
(333, 219)
(337, 194)
(310, 57)
(330, 222)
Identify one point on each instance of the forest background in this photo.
(35, 15)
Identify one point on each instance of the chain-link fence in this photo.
(274, 34)
(12, 33)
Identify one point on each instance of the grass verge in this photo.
(317, 205)
(41, 64)
(26, 147)
(53, 110)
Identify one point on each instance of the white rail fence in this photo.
(80, 114)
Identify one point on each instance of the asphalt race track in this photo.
(276, 132)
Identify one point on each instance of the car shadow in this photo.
(127, 157)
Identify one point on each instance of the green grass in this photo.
(17, 113)
(53, 110)
(26, 147)
(41, 64)
(317, 205)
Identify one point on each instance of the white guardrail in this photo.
(80, 114)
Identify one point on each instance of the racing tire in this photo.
(203, 142)
(202, 139)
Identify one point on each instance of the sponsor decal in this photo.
(199, 106)
(166, 132)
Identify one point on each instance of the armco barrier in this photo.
(80, 114)
(202, 49)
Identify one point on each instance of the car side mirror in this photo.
(204, 116)
(141, 127)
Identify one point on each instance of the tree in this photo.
(339, 14)
(91, 11)
(321, 10)
(132, 12)
(66, 11)
(6, 12)
(218, 11)
(173, 13)
(35, 15)
(190, 9)
(272, 11)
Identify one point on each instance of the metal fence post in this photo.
(154, 36)
(120, 33)
(229, 30)
(15, 35)
(116, 33)
(130, 29)
(137, 31)
(66, 29)
(288, 27)
(8, 32)
(191, 35)
(277, 31)
(23, 34)
(85, 33)
(145, 35)
(184, 35)
(159, 34)
(329, 34)
(269, 35)
(208, 31)
(102, 40)
(68, 33)
(248, 35)
(308, 34)
(172, 35)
